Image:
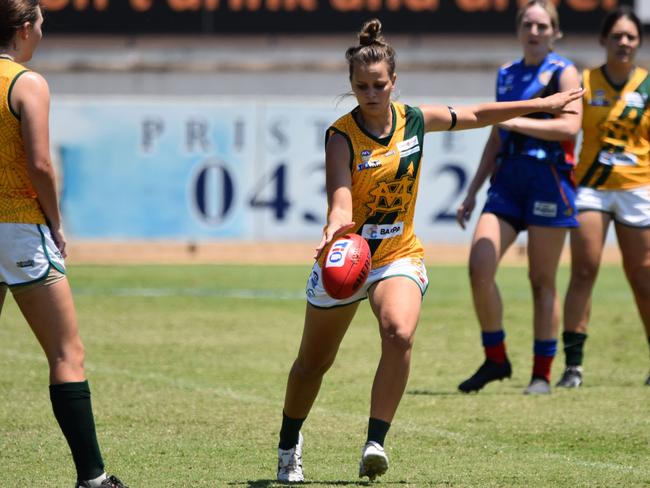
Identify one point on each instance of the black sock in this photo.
(289, 431)
(377, 430)
(73, 411)
(574, 343)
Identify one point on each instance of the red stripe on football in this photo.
(346, 266)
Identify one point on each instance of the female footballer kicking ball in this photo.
(32, 243)
(373, 157)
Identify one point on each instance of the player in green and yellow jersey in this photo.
(373, 157)
(32, 242)
(613, 177)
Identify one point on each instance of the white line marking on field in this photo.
(407, 426)
(247, 294)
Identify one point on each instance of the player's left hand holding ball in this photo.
(331, 231)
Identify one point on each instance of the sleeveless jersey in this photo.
(615, 152)
(518, 81)
(385, 175)
(18, 201)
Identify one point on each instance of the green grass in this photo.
(188, 368)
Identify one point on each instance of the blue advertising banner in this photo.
(132, 169)
(244, 169)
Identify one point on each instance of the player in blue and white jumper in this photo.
(530, 160)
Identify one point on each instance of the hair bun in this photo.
(370, 33)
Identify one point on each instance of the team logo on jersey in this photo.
(392, 196)
(635, 100)
(366, 163)
(599, 99)
(545, 76)
(526, 78)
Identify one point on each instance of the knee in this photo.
(479, 276)
(311, 368)
(395, 337)
(541, 283)
(70, 357)
(584, 274)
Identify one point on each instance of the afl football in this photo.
(346, 266)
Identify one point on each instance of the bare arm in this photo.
(564, 126)
(31, 99)
(339, 190)
(483, 172)
(437, 117)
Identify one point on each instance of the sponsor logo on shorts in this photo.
(314, 279)
(336, 255)
(382, 231)
(25, 264)
(545, 209)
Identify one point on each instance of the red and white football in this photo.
(346, 266)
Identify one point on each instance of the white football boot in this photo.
(290, 463)
(538, 386)
(374, 461)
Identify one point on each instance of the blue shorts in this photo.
(528, 192)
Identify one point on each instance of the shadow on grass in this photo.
(514, 391)
(431, 393)
(275, 483)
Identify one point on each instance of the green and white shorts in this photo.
(629, 207)
(28, 255)
(409, 267)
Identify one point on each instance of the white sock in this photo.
(96, 482)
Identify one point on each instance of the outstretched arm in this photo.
(564, 126)
(339, 190)
(438, 117)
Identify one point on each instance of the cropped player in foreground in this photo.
(32, 243)
(373, 157)
(530, 161)
(613, 176)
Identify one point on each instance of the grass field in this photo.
(188, 366)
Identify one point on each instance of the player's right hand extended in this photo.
(330, 232)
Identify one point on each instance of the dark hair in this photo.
(372, 48)
(612, 17)
(13, 14)
(547, 5)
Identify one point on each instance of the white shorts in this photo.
(630, 207)
(409, 267)
(27, 252)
